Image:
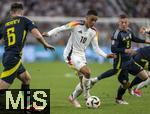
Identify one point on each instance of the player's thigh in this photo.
(75, 61)
(78, 61)
(80, 64)
(140, 60)
(4, 84)
(117, 63)
(86, 71)
(143, 75)
(134, 68)
(23, 75)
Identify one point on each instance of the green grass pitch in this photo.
(62, 80)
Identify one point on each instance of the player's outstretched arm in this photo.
(62, 28)
(35, 32)
(100, 51)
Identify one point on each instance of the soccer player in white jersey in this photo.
(82, 34)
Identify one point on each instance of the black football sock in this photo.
(107, 74)
(121, 92)
(25, 88)
(135, 81)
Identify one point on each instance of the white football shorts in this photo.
(75, 61)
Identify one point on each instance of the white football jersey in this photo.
(80, 38)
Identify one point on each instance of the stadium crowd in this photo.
(106, 8)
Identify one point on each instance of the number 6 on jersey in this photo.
(11, 36)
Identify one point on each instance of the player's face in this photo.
(123, 23)
(22, 12)
(17, 12)
(91, 20)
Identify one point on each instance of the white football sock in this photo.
(86, 87)
(77, 91)
(143, 84)
(94, 79)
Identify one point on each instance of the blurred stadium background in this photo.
(48, 14)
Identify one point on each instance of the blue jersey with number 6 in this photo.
(14, 30)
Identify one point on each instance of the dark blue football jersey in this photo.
(121, 40)
(14, 31)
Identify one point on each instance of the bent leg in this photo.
(140, 77)
(3, 87)
(85, 81)
(107, 74)
(145, 80)
(25, 78)
(123, 79)
(104, 75)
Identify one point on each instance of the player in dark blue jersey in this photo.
(121, 45)
(13, 31)
(143, 30)
(142, 58)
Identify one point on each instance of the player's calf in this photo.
(143, 84)
(143, 75)
(85, 81)
(86, 87)
(25, 78)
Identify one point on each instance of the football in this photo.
(93, 102)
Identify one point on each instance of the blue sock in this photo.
(107, 74)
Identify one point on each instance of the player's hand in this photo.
(145, 31)
(130, 51)
(112, 55)
(142, 30)
(45, 34)
(48, 46)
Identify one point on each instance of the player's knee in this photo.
(87, 74)
(27, 79)
(143, 75)
(125, 84)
